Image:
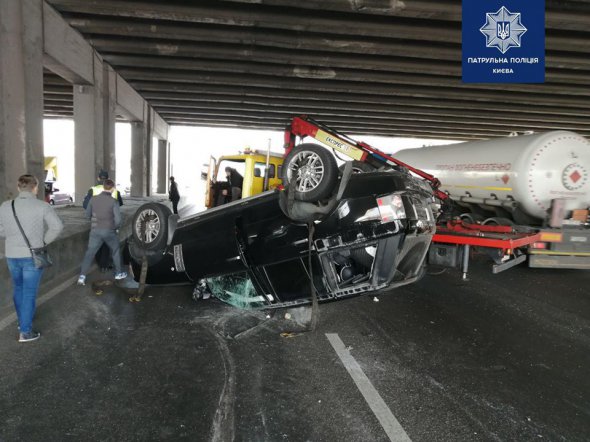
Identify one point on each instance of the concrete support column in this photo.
(162, 166)
(21, 93)
(108, 108)
(141, 147)
(85, 150)
(94, 117)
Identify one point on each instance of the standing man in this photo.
(173, 195)
(33, 214)
(103, 255)
(104, 211)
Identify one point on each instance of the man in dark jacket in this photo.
(174, 195)
(103, 255)
(106, 219)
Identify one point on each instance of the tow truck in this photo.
(260, 170)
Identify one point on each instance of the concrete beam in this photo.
(159, 127)
(366, 122)
(348, 128)
(360, 82)
(302, 20)
(287, 39)
(445, 117)
(129, 102)
(182, 91)
(527, 94)
(497, 113)
(322, 56)
(65, 51)
(348, 69)
(21, 93)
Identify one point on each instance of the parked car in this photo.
(372, 233)
(55, 196)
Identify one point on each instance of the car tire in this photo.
(321, 183)
(358, 167)
(150, 226)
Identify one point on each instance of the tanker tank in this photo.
(518, 175)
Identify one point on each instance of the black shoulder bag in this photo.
(40, 255)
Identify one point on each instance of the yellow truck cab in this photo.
(251, 164)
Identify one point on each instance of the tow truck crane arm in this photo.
(304, 126)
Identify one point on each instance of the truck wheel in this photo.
(472, 218)
(358, 167)
(313, 172)
(150, 226)
(498, 222)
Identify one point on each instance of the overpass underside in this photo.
(377, 67)
(381, 67)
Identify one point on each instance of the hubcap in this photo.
(147, 226)
(308, 169)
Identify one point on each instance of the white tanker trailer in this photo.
(520, 173)
(519, 177)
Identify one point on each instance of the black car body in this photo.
(250, 253)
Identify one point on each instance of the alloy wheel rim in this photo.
(308, 169)
(147, 226)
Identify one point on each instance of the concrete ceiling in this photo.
(379, 67)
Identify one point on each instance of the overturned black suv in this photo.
(370, 231)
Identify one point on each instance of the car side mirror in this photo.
(55, 190)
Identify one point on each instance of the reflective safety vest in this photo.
(99, 188)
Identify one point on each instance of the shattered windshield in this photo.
(237, 290)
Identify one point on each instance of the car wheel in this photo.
(312, 170)
(358, 167)
(150, 226)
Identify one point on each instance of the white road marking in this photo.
(390, 424)
(5, 322)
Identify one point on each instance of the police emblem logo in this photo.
(503, 29)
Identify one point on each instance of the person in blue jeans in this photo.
(33, 215)
(104, 211)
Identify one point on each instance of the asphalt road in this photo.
(501, 357)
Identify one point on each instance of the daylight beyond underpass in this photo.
(503, 357)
